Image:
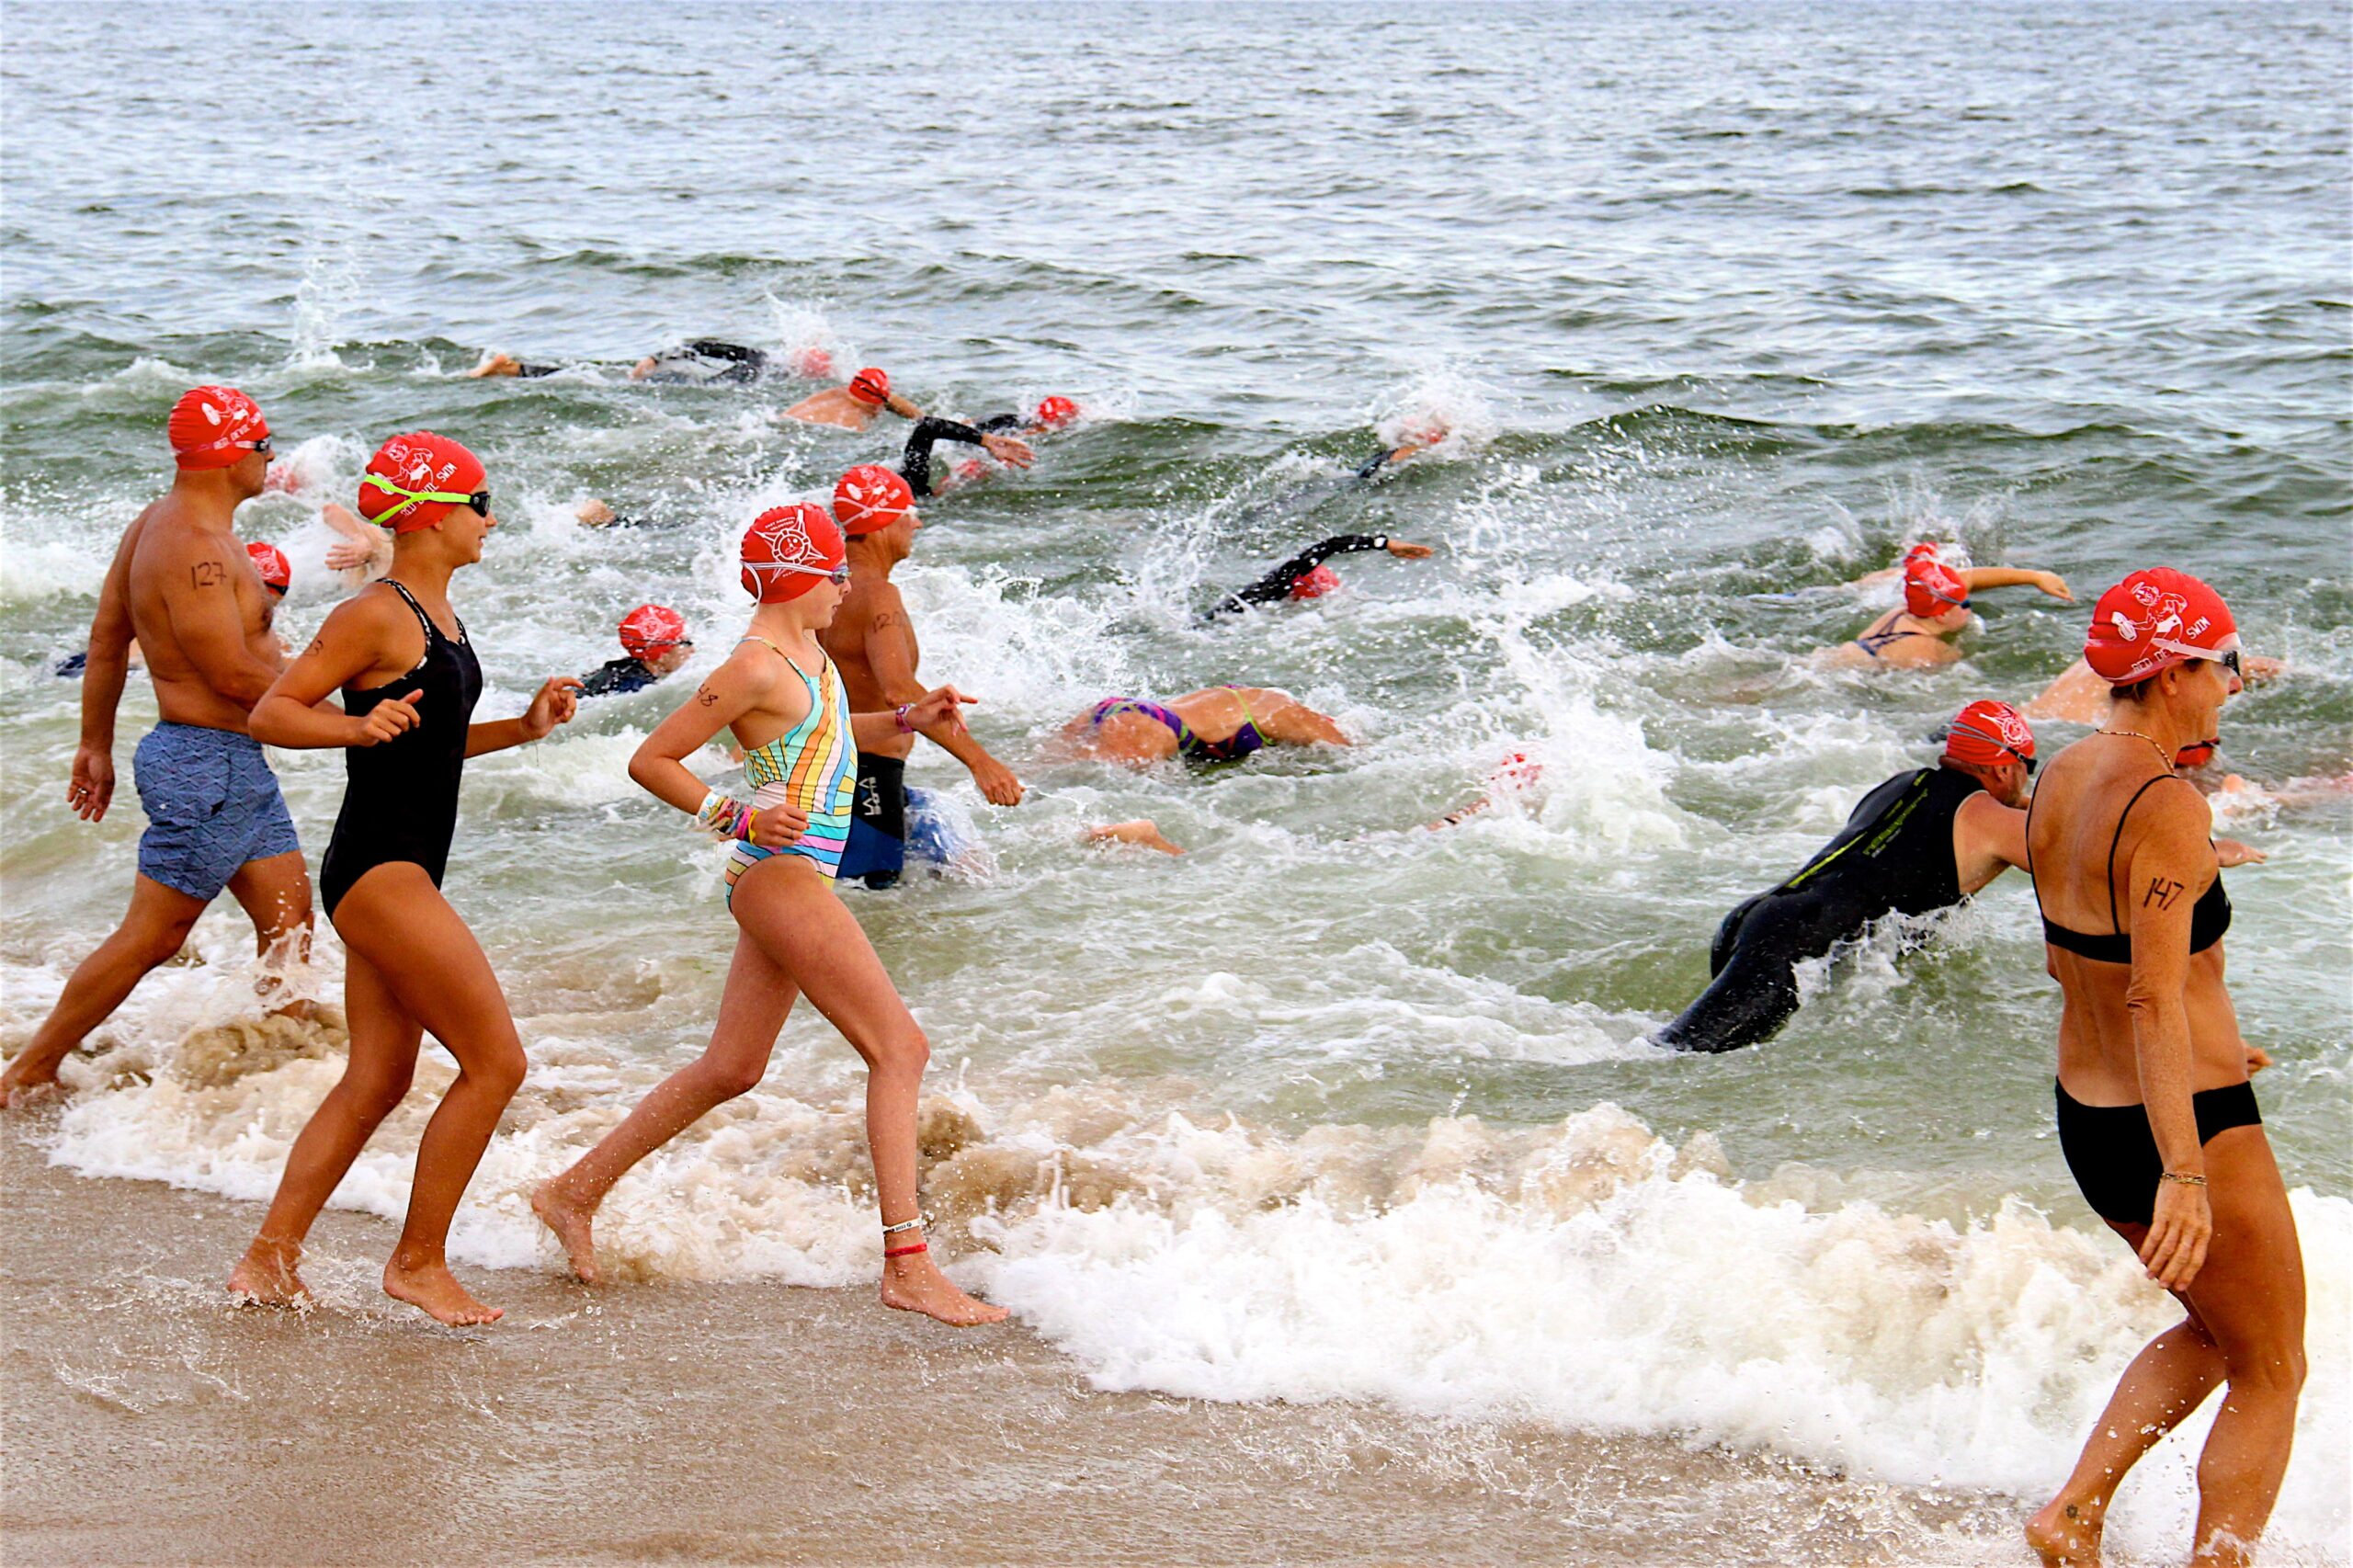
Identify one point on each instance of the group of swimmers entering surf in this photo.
(2155, 1115)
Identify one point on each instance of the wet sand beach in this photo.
(149, 1421)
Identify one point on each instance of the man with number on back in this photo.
(183, 584)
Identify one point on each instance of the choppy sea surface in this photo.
(1723, 305)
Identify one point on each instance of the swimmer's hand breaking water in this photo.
(1010, 451)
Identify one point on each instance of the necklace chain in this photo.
(2164, 756)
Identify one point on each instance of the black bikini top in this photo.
(2209, 918)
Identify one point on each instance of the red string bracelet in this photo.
(903, 1252)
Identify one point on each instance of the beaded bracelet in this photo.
(2185, 1177)
(727, 816)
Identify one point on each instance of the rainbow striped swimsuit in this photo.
(807, 767)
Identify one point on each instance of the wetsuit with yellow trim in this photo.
(1894, 857)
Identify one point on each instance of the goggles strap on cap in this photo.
(479, 500)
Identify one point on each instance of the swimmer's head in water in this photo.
(1517, 773)
(1053, 413)
(2198, 754)
(216, 427)
(2156, 620)
(276, 572)
(870, 498)
(789, 551)
(1315, 584)
(649, 631)
(419, 479)
(811, 362)
(871, 387)
(1931, 588)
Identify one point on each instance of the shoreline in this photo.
(151, 1421)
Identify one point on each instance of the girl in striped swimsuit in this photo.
(784, 700)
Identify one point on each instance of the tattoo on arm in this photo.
(208, 574)
(888, 618)
(2162, 892)
(316, 644)
(704, 695)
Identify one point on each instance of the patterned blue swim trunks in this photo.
(212, 806)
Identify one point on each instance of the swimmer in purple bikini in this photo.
(1222, 723)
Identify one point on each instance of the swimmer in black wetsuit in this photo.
(654, 645)
(1304, 575)
(1921, 841)
(698, 361)
(1000, 434)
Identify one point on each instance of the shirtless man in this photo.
(184, 584)
(872, 644)
(853, 407)
(2080, 697)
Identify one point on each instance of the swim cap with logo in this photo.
(416, 480)
(870, 498)
(276, 572)
(651, 628)
(1316, 583)
(1988, 733)
(213, 426)
(789, 551)
(1056, 411)
(1931, 587)
(2151, 621)
(871, 387)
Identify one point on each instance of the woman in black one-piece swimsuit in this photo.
(2156, 1118)
(408, 676)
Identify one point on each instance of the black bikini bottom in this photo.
(2114, 1156)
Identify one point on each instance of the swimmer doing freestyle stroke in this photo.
(406, 666)
(794, 937)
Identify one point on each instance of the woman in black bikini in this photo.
(400, 656)
(2156, 1117)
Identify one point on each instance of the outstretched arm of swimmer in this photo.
(91, 786)
(557, 701)
(891, 655)
(1980, 577)
(1277, 583)
(2171, 866)
(295, 713)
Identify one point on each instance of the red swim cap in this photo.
(2197, 754)
(1056, 411)
(213, 426)
(811, 362)
(1316, 583)
(651, 628)
(1988, 733)
(871, 387)
(1931, 587)
(414, 481)
(276, 572)
(1926, 550)
(1518, 771)
(2151, 621)
(870, 498)
(788, 550)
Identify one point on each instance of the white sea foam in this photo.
(1587, 1274)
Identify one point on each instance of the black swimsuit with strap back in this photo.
(2209, 918)
(400, 797)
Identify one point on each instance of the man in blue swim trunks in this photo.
(184, 584)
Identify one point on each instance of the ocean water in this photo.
(1722, 303)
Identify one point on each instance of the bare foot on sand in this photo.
(434, 1289)
(570, 1223)
(265, 1277)
(2065, 1535)
(1143, 831)
(915, 1285)
(20, 1090)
